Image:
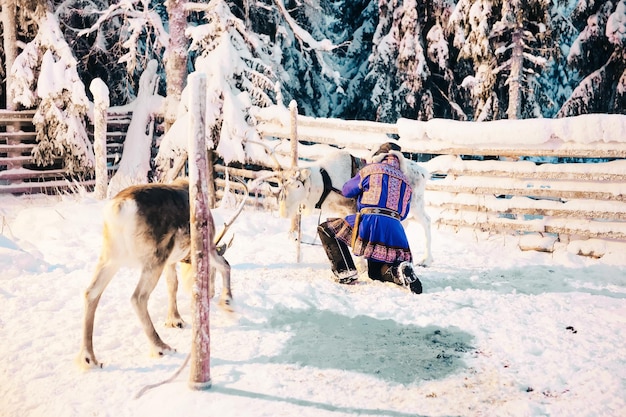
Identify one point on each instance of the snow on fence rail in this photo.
(484, 177)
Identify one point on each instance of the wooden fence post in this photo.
(100, 93)
(293, 137)
(201, 235)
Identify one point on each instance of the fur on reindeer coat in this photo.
(381, 184)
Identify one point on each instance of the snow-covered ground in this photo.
(498, 331)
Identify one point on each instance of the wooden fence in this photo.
(577, 193)
(19, 174)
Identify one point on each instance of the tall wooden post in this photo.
(202, 230)
(100, 93)
(293, 137)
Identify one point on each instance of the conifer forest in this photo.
(378, 60)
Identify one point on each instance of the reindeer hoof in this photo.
(225, 304)
(425, 262)
(87, 361)
(162, 350)
(175, 322)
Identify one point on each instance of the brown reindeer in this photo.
(147, 226)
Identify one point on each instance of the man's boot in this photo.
(404, 275)
(409, 277)
(339, 256)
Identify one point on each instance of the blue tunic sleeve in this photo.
(352, 187)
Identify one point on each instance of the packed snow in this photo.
(497, 332)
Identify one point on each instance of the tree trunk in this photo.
(515, 76)
(9, 26)
(176, 62)
(202, 230)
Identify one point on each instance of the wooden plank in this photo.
(352, 126)
(526, 192)
(330, 138)
(539, 211)
(30, 174)
(22, 117)
(49, 187)
(15, 161)
(116, 136)
(544, 175)
(17, 148)
(234, 185)
(19, 159)
(18, 136)
(240, 172)
(599, 150)
(614, 171)
(506, 225)
(258, 200)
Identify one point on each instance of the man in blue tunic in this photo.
(383, 196)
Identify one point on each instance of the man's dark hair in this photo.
(386, 147)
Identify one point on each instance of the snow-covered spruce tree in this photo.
(381, 77)
(557, 81)
(44, 76)
(237, 64)
(601, 43)
(398, 63)
(328, 81)
(449, 100)
(471, 22)
(524, 47)
(98, 52)
(307, 74)
(411, 64)
(116, 40)
(353, 27)
(19, 26)
(409, 53)
(508, 43)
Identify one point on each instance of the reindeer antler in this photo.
(232, 219)
(271, 152)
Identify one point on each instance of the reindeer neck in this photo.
(327, 187)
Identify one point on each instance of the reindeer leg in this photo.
(419, 213)
(212, 282)
(149, 277)
(218, 264)
(173, 316)
(104, 272)
(221, 265)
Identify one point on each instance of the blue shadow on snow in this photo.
(394, 352)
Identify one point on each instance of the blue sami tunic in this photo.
(381, 238)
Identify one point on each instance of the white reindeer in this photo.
(147, 226)
(318, 185)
